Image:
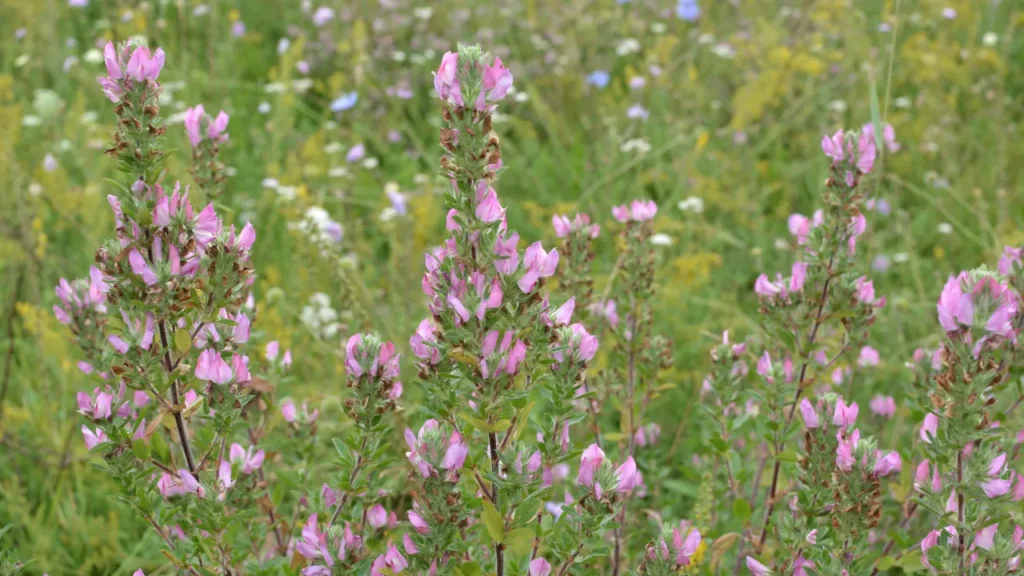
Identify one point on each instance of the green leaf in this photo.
(522, 420)
(787, 456)
(469, 569)
(483, 426)
(722, 545)
(719, 444)
(885, 562)
(519, 541)
(741, 510)
(911, 562)
(876, 115)
(141, 449)
(527, 510)
(159, 448)
(182, 340)
(493, 522)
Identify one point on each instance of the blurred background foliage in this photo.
(717, 118)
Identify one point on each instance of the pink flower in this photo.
(590, 463)
(562, 315)
(621, 213)
(538, 264)
(143, 66)
(455, 456)
(865, 152)
(418, 523)
(764, 367)
(756, 568)
(799, 275)
(112, 61)
(446, 81)
(212, 368)
(421, 342)
(921, 478)
(539, 567)
(955, 307)
(249, 461)
(799, 226)
(140, 268)
(192, 120)
(868, 357)
(764, 287)
(845, 416)
(833, 147)
(245, 238)
(206, 226)
(808, 413)
(884, 406)
(996, 487)
(496, 82)
(844, 455)
(120, 345)
(985, 538)
(218, 128)
(887, 464)
(1011, 256)
(93, 439)
(930, 427)
(449, 222)
(506, 248)
(685, 548)
(409, 545)
(626, 475)
(488, 209)
(313, 543)
(562, 225)
(240, 333)
(377, 516)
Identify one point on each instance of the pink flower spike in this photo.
(446, 81)
(246, 237)
(808, 413)
(621, 213)
(833, 147)
(271, 351)
(985, 538)
(539, 567)
(887, 464)
(212, 368)
(112, 62)
(193, 119)
(756, 568)
(954, 307)
(377, 516)
(93, 439)
(120, 345)
(590, 462)
(140, 268)
(930, 427)
(845, 416)
(218, 128)
(455, 456)
(418, 522)
(627, 476)
(288, 411)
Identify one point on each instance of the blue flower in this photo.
(345, 101)
(688, 10)
(599, 78)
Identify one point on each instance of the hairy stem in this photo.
(499, 549)
(179, 420)
(770, 500)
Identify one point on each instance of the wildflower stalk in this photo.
(173, 273)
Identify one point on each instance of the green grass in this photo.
(955, 188)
